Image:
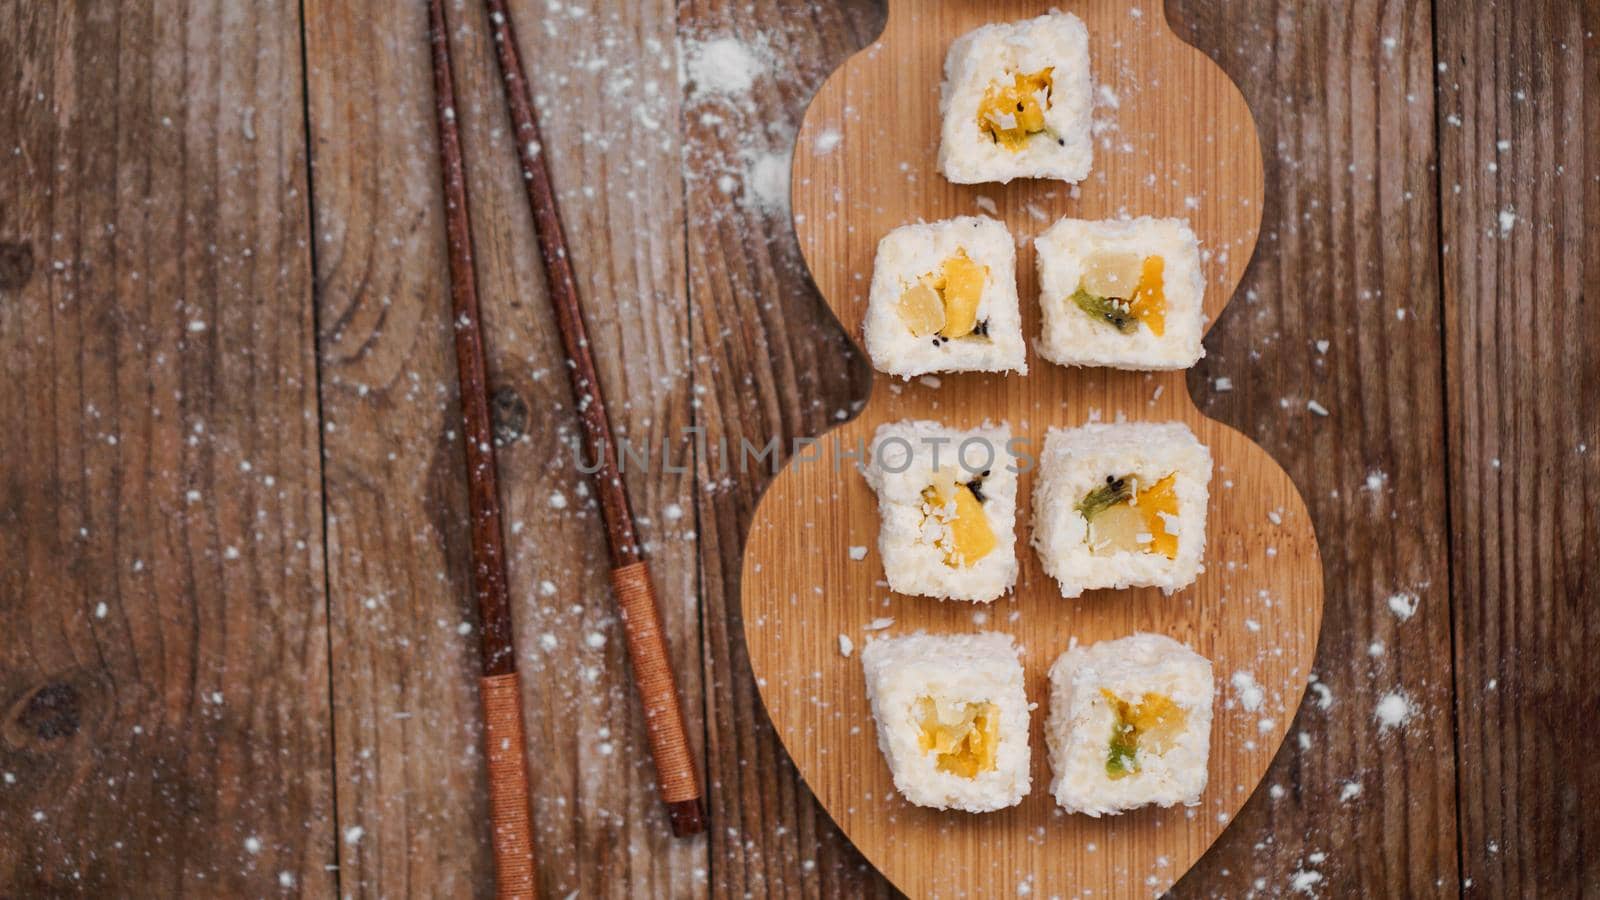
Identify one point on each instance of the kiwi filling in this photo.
(1127, 517)
(1123, 290)
(1153, 724)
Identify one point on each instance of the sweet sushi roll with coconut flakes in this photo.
(1016, 102)
(948, 503)
(1122, 505)
(1122, 293)
(952, 718)
(1130, 725)
(944, 299)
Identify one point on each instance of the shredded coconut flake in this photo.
(723, 66)
(1250, 693)
(1393, 710)
(1403, 605)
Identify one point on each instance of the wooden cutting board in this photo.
(1173, 138)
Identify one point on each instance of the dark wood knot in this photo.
(16, 265)
(55, 711)
(510, 415)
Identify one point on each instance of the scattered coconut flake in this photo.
(1508, 221)
(672, 512)
(1350, 791)
(558, 500)
(1223, 384)
(1394, 710)
(1322, 346)
(1304, 880)
(846, 646)
(878, 624)
(858, 552)
(353, 834)
(827, 141)
(1403, 605)
(723, 65)
(767, 182)
(1316, 408)
(1324, 694)
(1249, 691)
(986, 203)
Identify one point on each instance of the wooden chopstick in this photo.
(676, 774)
(500, 688)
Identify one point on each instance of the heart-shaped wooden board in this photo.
(1173, 138)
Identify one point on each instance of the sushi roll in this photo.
(944, 299)
(1016, 102)
(948, 502)
(1130, 725)
(1121, 293)
(1122, 505)
(952, 718)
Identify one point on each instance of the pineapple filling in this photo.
(1123, 518)
(964, 735)
(968, 536)
(1122, 290)
(1012, 113)
(945, 304)
(1153, 724)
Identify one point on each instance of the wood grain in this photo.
(179, 126)
(409, 772)
(1342, 96)
(163, 642)
(1519, 181)
(1256, 609)
(769, 364)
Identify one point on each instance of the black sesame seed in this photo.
(1061, 142)
(976, 487)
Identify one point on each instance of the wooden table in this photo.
(235, 624)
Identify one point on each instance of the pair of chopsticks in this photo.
(500, 687)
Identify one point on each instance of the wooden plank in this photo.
(406, 715)
(769, 364)
(163, 695)
(1342, 95)
(1519, 178)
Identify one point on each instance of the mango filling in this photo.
(968, 536)
(1122, 518)
(945, 303)
(964, 735)
(1123, 291)
(1012, 113)
(1153, 724)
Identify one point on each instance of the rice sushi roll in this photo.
(948, 503)
(1130, 725)
(1122, 505)
(1016, 102)
(1121, 293)
(944, 299)
(952, 718)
